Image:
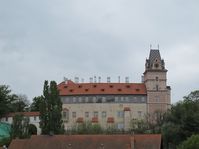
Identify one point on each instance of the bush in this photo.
(5, 141)
(191, 143)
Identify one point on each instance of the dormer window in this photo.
(128, 86)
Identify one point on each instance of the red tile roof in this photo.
(23, 113)
(110, 120)
(146, 141)
(71, 88)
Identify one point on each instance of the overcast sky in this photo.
(49, 39)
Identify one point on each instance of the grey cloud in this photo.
(50, 39)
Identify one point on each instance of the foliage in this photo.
(50, 110)
(20, 127)
(86, 128)
(5, 141)
(191, 143)
(35, 106)
(11, 102)
(19, 103)
(5, 99)
(138, 126)
(182, 120)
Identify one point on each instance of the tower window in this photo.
(156, 78)
(156, 87)
(156, 65)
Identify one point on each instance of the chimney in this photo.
(126, 79)
(91, 80)
(65, 80)
(76, 80)
(118, 79)
(108, 79)
(95, 79)
(142, 79)
(99, 79)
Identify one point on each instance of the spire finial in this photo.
(158, 46)
(150, 46)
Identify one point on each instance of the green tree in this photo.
(35, 106)
(182, 120)
(20, 127)
(5, 99)
(51, 109)
(191, 143)
(19, 103)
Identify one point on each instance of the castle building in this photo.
(116, 104)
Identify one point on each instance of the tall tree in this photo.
(4, 99)
(35, 106)
(50, 110)
(20, 127)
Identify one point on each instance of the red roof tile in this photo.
(146, 141)
(110, 120)
(23, 113)
(71, 88)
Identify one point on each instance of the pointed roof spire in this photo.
(154, 54)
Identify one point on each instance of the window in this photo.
(86, 99)
(65, 115)
(95, 114)
(116, 99)
(80, 99)
(74, 114)
(35, 118)
(102, 90)
(120, 126)
(120, 114)
(126, 99)
(86, 114)
(6, 119)
(74, 99)
(156, 87)
(104, 114)
(139, 113)
(156, 78)
(128, 86)
(157, 99)
(143, 99)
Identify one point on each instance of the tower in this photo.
(155, 79)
